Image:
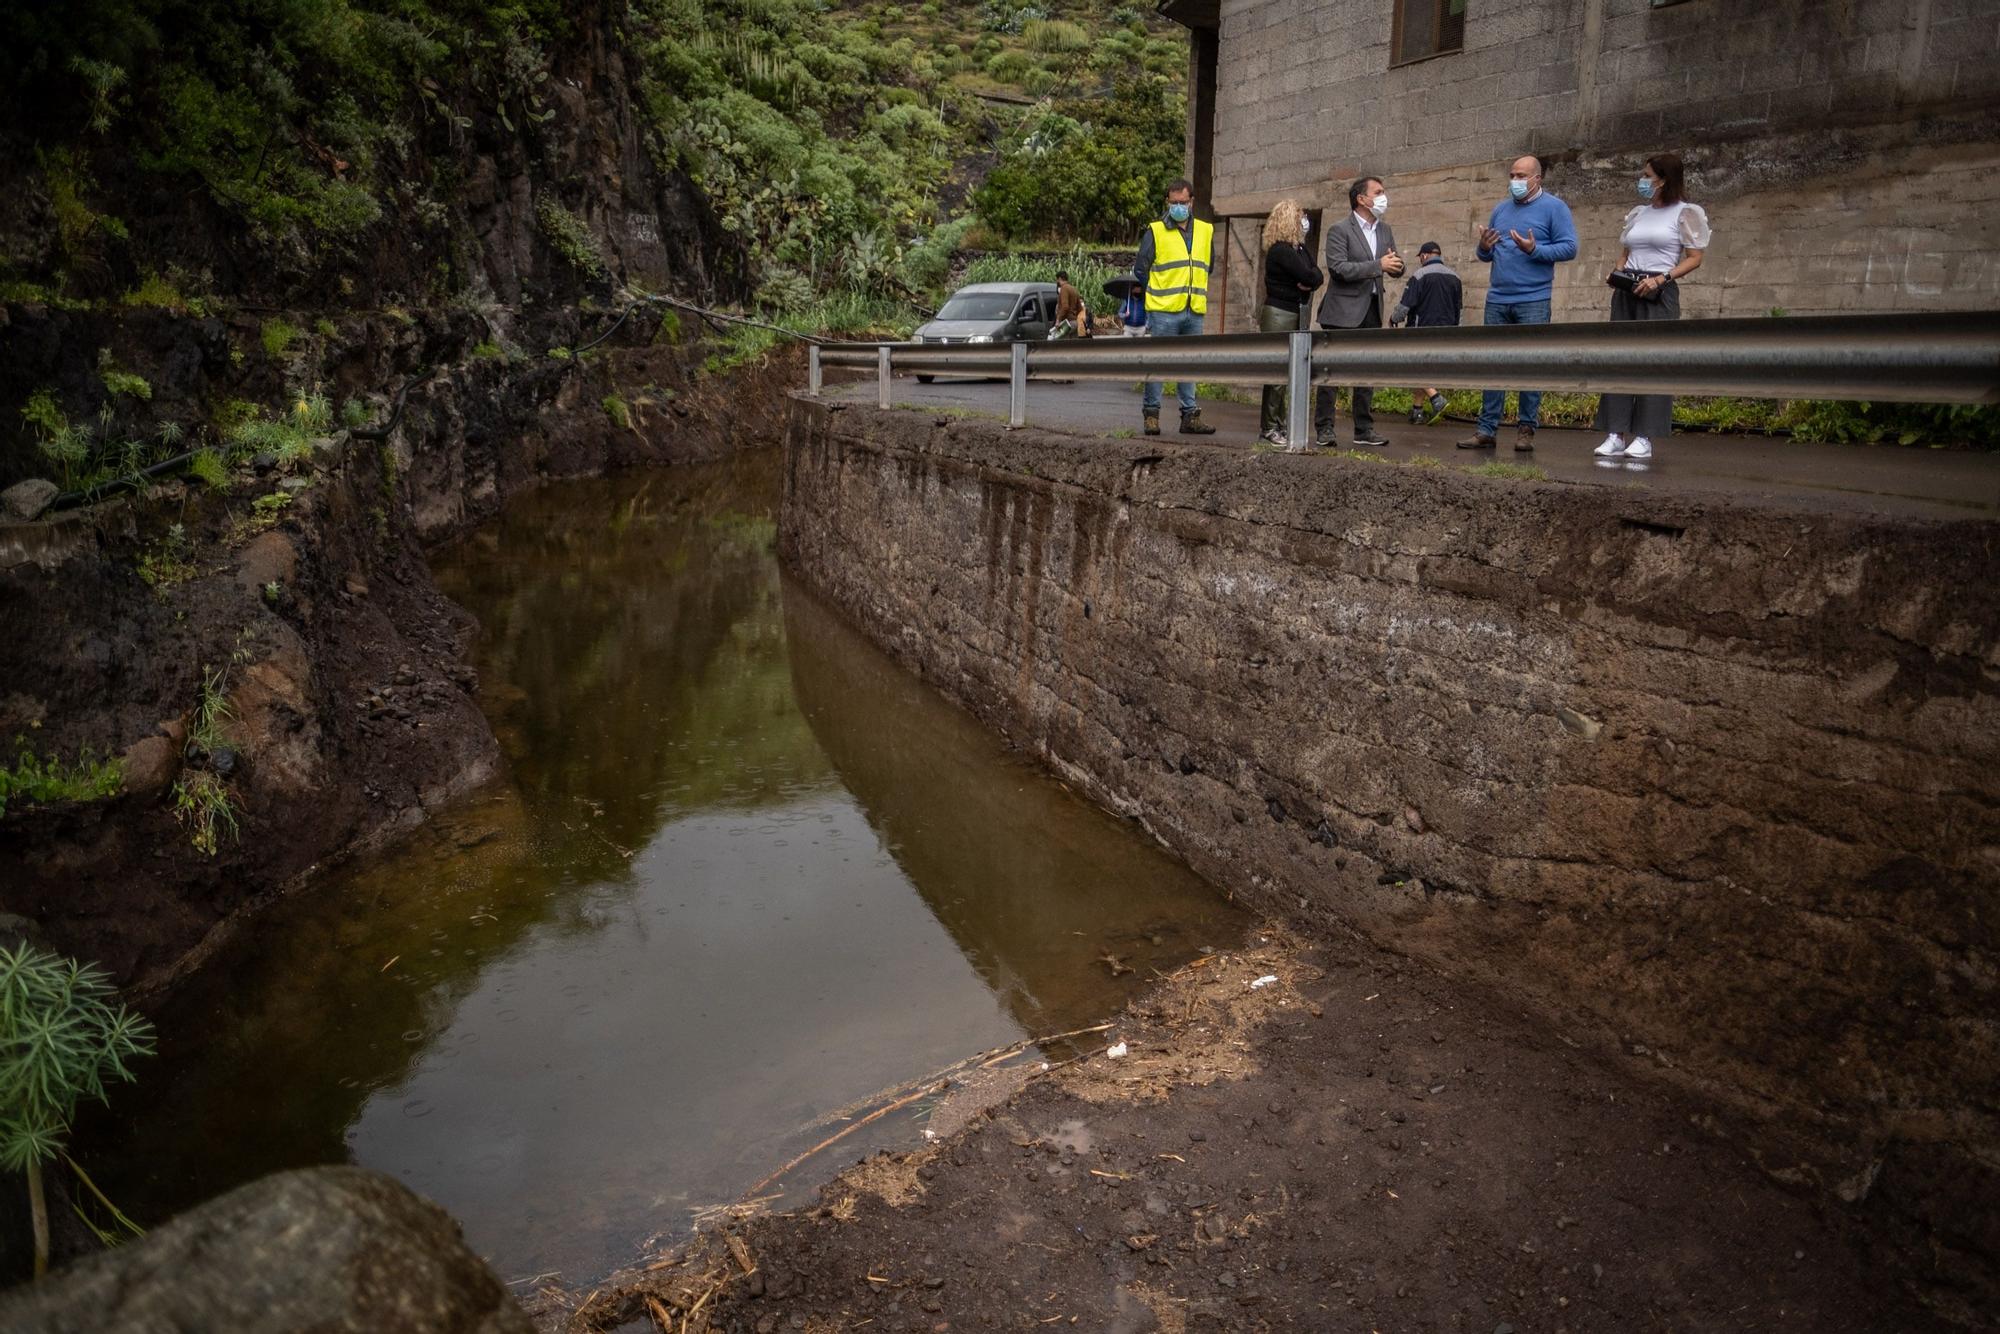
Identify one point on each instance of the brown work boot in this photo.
(1479, 440)
(1152, 423)
(1524, 439)
(1192, 424)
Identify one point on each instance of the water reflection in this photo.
(741, 871)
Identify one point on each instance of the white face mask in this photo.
(1380, 204)
(1305, 228)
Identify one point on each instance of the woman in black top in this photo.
(1290, 279)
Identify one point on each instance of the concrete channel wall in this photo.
(1719, 784)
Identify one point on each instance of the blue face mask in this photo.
(1519, 189)
(1179, 212)
(1645, 187)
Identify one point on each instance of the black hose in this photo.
(71, 499)
(402, 397)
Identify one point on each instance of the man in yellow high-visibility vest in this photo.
(1174, 259)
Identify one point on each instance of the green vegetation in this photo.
(484, 350)
(161, 294)
(62, 444)
(569, 236)
(118, 381)
(32, 778)
(1088, 269)
(1094, 167)
(288, 435)
(1812, 420)
(168, 561)
(206, 466)
(277, 336)
(64, 1037)
(202, 801)
(619, 411)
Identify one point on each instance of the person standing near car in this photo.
(1434, 298)
(1529, 233)
(1290, 279)
(1070, 308)
(1360, 255)
(1664, 237)
(1174, 259)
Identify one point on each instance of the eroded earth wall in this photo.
(1712, 782)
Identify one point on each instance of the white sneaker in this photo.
(1274, 436)
(1613, 446)
(1641, 448)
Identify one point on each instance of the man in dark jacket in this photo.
(1433, 298)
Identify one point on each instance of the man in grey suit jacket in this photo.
(1360, 253)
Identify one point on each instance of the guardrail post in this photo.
(814, 379)
(1017, 387)
(1298, 421)
(882, 376)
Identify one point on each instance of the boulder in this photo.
(27, 500)
(149, 764)
(332, 1250)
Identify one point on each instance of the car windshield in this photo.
(979, 306)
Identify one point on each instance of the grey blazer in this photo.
(1353, 273)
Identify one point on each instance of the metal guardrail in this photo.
(1923, 358)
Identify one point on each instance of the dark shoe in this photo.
(1479, 441)
(1323, 437)
(1437, 409)
(1152, 423)
(1192, 424)
(1524, 440)
(1416, 416)
(1370, 439)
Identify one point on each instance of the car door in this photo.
(1031, 318)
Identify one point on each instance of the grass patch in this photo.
(168, 561)
(618, 410)
(33, 779)
(277, 336)
(203, 803)
(1224, 393)
(206, 466)
(487, 350)
(287, 435)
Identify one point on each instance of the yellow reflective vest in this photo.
(1178, 280)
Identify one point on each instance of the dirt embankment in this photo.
(1358, 1143)
(349, 707)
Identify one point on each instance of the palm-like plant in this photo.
(62, 1035)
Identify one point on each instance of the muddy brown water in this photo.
(742, 872)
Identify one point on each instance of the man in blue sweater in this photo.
(1529, 233)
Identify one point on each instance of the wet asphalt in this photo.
(1867, 479)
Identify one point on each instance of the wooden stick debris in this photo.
(843, 1133)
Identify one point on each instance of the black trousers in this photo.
(1632, 415)
(1364, 399)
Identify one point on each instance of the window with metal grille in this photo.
(1426, 28)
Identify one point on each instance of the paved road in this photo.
(1878, 479)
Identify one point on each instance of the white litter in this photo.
(1264, 981)
(1115, 1050)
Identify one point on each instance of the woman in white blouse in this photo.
(1663, 240)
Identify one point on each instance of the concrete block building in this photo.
(1847, 151)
